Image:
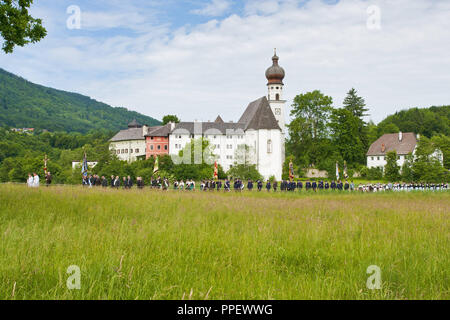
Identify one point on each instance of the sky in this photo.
(201, 58)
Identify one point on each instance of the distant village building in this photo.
(129, 145)
(403, 143)
(259, 134)
(157, 140)
(23, 130)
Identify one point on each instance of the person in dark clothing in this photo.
(299, 186)
(327, 186)
(268, 186)
(104, 182)
(129, 182)
(333, 185)
(260, 185)
(314, 186)
(275, 186)
(308, 186)
(117, 182)
(48, 179)
(112, 181)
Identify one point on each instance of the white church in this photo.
(257, 138)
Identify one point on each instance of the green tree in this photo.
(244, 172)
(392, 169)
(346, 136)
(170, 118)
(407, 173)
(17, 26)
(426, 167)
(356, 105)
(308, 129)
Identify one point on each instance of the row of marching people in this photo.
(239, 185)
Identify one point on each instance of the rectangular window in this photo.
(131, 150)
(137, 150)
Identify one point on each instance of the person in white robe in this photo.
(30, 180)
(35, 180)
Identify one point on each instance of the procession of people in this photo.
(238, 185)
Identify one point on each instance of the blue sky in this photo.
(201, 58)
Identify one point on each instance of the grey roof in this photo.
(160, 131)
(219, 120)
(134, 124)
(208, 127)
(259, 115)
(390, 142)
(129, 134)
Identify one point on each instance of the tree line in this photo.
(321, 135)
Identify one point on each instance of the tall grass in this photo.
(174, 245)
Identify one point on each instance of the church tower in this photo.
(275, 76)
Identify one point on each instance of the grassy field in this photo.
(174, 245)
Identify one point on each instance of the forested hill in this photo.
(27, 105)
(428, 122)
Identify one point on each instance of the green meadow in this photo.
(210, 245)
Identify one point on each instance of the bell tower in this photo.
(275, 76)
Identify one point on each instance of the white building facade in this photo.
(258, 138)
(402, 143)
(129, 145)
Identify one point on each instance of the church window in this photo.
(126, 150)
(137, 150)
(131, 150)
(151, 147)
(159, 147)
(165, 147)
(269, 146)
(277, 96)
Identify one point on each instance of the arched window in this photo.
(269, 146)
(277, 96)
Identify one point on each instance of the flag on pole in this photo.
(84, 167)
(45, 164)
(345, 170)
(291, 171)
(337, 171)
(216, 171)
(156, 167)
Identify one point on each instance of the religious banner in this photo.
(337, 172)
(84, 167)
(291, 171)
(216, 171)
(345, 170)
(156, 167)
(45, 164)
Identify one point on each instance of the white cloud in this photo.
(214, 8)
(218, 67)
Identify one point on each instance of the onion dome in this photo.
(275, 74)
